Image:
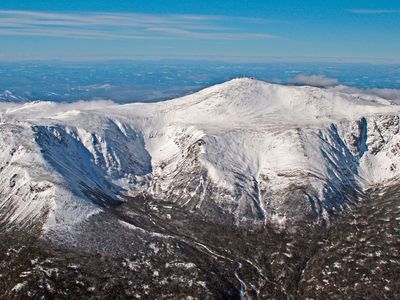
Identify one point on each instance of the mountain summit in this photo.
(241, 152)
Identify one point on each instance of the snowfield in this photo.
(244, 151)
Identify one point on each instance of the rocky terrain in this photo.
(136, 251)
(242, 190)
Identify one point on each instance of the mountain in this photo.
(238, 160)
(244, 151)
(8, 96)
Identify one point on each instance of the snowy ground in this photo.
(244, 150)
(230, 186)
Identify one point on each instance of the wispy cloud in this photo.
(127, 26)
(373, 11)
(315, 80)
(385, 93)
(334, 85)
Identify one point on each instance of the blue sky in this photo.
(351, 30)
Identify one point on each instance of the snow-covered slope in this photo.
(242, 151)
(8, 96)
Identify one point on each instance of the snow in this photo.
(19, 286)
(8, 96)
(244, 144)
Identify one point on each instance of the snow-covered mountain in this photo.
(244, 151)
(8, 96)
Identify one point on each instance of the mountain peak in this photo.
(241, 147)
(247, 100)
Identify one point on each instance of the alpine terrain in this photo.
(244, 190)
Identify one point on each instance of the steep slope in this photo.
(241, 152)
(31, 189)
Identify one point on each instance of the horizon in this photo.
(217, 59)
(127, 81)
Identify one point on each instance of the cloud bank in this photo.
(315, 80)
(387, 94)
(127, 26)
(334, 85)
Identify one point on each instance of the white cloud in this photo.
(315, 80)
(126, 26)
(334, 85)
(385, 93)
(389, 94)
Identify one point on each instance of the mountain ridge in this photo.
(245, 151)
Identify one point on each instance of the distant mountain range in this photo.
(8, 96)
